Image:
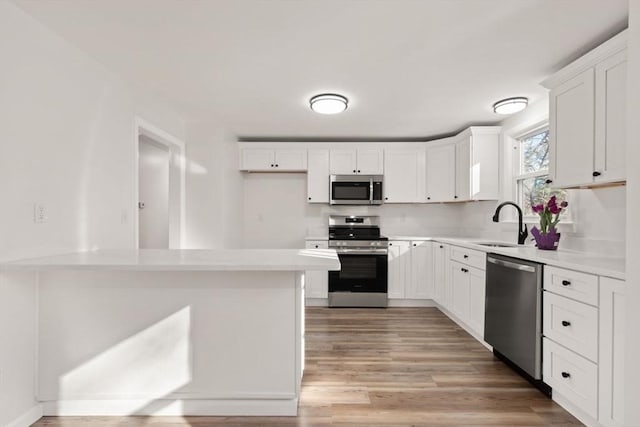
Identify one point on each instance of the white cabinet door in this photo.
(485, 167)
(463, 166)
(477, 293)
(318, 176)
(404, 175)
(257, 159)
(399, 268)
(343, 161)
(421, 284)
(291, 160)
(611, 114)
(460, 283)
(440, 283)
(370, 161)
(316, 282)
(612, 355)
(571, 131)
(440, 173)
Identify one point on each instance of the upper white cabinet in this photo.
(318, 176)
(478, 164)
(404, 175)
(349, 161)
(440, 172)
(587, 117)
(273, 160)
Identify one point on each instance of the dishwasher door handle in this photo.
(510, 264)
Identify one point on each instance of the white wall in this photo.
(66, 140)
(214, 188)
(276, 213)
(632, 377)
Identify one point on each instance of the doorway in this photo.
(159, 188)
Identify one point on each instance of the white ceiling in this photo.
(410, 68)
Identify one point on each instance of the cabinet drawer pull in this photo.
(464, 270)
(358, 170)
(565, 323)
(566, 283)
(415, 244)
(596, 173)
(548, 181)
(465, 256)
(566, 375)
(441, 247)
(354, 171)
(428, 198)
(316, 246)
(272, 165)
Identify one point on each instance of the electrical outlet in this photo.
(40, 213)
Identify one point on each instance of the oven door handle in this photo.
(362, 251)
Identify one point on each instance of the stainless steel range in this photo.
(362, 280)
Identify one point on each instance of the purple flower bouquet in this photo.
(546, 236)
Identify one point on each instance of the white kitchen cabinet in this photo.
(440, 173)
(421, 284)
(441, 284)
(399, 268)
(273, 160)
(463, 163)
(316, 282)
(404, 175)
(612, 354)
(611, 118)
(571, 138)
(477, 293)
(318, 176)
(349, 161)
(587, 117)
(460, 285)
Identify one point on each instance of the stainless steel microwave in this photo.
(355, 189)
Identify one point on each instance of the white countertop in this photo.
(186, 260)
(601, 265)
(581, 261)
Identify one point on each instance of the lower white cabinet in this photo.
(421, 284)
(399, 273)
(468, 288)
(410, 270)
(611, 362)
(441, 283)
(571, 375)
(316, 282)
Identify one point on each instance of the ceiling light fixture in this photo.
(510, 105)
(328, 103)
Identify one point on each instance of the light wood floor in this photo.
(389, 367)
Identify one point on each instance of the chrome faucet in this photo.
(522, 231)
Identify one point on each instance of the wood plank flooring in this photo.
(388, 367)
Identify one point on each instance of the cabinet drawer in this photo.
(572, 324)
(470, 257)
(571, 375)
(579, 286)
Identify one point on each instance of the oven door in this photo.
(363, 270)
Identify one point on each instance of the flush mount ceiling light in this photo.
(328, 103)
(510, 105)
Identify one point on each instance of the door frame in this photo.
(176, 148)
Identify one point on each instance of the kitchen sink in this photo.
(497, 244)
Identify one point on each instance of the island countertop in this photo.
(185, 260)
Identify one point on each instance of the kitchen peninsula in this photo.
(174, 332)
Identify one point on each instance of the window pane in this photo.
(535, 152)
(534, 191)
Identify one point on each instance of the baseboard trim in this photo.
(317, 302)
(172, 407)
(28, 418)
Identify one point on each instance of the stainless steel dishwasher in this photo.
(513, 312)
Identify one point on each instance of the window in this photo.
(532, 170)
